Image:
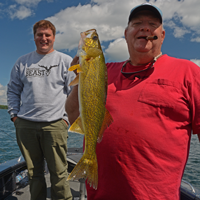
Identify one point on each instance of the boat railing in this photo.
(192, 188)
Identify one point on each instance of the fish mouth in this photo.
(87, 33)
(90, 31)
(84, 35)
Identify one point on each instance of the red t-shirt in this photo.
(144, 151)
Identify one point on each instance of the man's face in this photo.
(44, 40)
(142, 25)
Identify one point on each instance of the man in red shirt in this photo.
(154, 102)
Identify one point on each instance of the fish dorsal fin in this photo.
(77, 127)
(106, 123)
(75, 81)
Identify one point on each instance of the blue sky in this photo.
(109, 17)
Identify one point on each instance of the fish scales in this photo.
(94, 118)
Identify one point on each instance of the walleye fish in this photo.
(92, 92)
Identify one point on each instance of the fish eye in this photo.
(95, 37)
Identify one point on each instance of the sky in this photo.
(181, 20)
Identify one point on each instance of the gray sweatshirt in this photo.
(38, 86)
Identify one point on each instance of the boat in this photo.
(14, 180)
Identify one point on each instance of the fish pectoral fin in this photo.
(75, 81)
(75, 67)
(106, 123)
(93, 52)
(77, 126)
(79, 70)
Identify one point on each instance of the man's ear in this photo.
(162, 36)
(125, 31)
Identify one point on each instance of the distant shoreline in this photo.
(3, 107)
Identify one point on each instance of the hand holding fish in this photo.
(75, 61)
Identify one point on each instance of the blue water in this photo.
(9, 148)
(8, 145)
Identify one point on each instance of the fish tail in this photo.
(86, 168)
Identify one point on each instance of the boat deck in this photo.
(24, 194)
(77, 187)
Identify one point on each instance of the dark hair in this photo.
(44, 24)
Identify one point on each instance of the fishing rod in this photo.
(7, 134)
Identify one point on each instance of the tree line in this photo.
(3, 107)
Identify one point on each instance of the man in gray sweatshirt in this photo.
(36, 94)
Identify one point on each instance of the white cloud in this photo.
(197, 39)
(23, 8)
(109, 18)
(179, 32)
(196, 61)
(28, 2)
(184, 13)
(117, 50)
(3, 97)
(20, 12)
(73, 20)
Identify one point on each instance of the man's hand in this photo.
(13, 119)
(75, 61)
(66, 122)
(72, 105)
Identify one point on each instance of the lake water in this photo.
(8, 144)
(9, 148)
